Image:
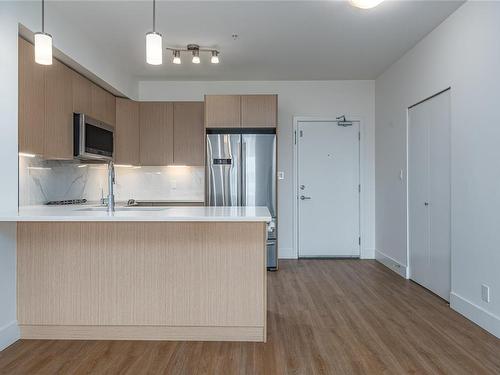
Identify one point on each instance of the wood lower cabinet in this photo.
(189, 134)
(103, 105)
(222, 111)
(156, 124)
(31, 101)
(259, 111)
(127, 132)
(58, 142)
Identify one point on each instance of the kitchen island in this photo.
(178, 273)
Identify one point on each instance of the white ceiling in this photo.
(278, 40)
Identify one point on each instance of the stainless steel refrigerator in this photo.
(241, 171)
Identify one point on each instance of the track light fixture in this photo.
(194, 50)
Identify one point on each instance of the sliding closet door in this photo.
(429, 194)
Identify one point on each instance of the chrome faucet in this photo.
(111, 183)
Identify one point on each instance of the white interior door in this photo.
(429, 194)
(327, 191)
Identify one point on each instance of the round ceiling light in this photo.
(365, 4)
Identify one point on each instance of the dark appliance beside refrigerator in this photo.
(241, 171)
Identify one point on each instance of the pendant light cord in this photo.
(154, 15)
(43, 16)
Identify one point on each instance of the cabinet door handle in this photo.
(303, 198)
(426, 203)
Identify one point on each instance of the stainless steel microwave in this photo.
(92, 139)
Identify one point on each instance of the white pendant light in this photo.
(215, 57)
(177, 57)
(43, 43)
(196, 57)
(154, 51)
(365, 4)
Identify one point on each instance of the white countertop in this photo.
(93, 213)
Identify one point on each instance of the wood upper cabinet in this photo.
(127, 132)
(222, 111)
(31, 101)
(156, 124)
(189, 134)
(103, 105)
(259, 111)
(82, 94)
(58, 112)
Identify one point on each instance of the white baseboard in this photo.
(477, 314)
(391, 263)
(367, 254)
(9, 334)
(286, 253)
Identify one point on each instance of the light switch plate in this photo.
(281, 175)
(485, 293)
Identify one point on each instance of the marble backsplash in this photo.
(41, 181)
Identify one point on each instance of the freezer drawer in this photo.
(272, 255)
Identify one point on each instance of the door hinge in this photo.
(359, 241)
(359, 188)
(301, 133)
(295, 137)
(359, 136)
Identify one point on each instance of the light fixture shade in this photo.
(215, 57)
(43, 48)
(154, 51)
(177, 57)
(365, 4)
(196, 59)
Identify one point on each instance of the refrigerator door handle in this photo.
(238, 167)
(243, 173)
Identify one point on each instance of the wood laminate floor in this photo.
(324, 317)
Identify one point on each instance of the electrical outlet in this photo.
(485, 293)
(281, 175)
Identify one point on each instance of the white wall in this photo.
(462, 53)
(75, 46)
(296, 98)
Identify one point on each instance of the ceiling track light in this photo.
(196, 56)
(215, 57)
(177, 57)
(43, 43)
(194, 50)
(154, 50)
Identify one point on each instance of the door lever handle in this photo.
(303, 198)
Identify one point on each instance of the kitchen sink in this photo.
(122, 209)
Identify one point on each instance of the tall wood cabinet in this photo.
(127, 132)
(189, 134)
(156, 124)
(235, 111)
(31, 101)
(58, 112)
